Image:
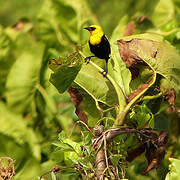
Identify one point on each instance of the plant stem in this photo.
(151, 97)
(120, 121)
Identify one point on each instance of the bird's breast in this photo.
(95, 39)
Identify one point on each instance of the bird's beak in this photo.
(88, 28)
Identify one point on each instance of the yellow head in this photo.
(96, 34)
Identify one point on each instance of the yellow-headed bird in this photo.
(99, 45)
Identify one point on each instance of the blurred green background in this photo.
(32, 112)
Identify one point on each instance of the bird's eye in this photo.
(93, 28)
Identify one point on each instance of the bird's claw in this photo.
(87, 60)
(104, 73)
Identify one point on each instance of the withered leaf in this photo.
(77, 98)
(131, 26)
(155, 152)
(159, 55)
(136, 152)
(170, 96)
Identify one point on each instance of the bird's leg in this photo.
(104, 73)
(87, 59)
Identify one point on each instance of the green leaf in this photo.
(70, 157)
(159, 16)
(115, 159)
(90, 109)
(15, 126)
(53, 176)
(63, 147)
(142, 115)
(65, 71)
(53, 27)
(174, 168)
(13, 10)
(6, 60)
(24, 76)
(161, 56)
(83, 12)
(118, 69)
(119, 72)
(71, 149)
(144, 76)
(87, 162)
(96, 85)
(24, 172)
(101, 91)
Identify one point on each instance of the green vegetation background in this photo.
(32, 112)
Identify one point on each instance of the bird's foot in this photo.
(87, 60)
(104, 73)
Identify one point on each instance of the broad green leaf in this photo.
(63, 147)
(53, 27)
(84, 15)
(12, 10)
(71, 149)
(160, 55)
(163, 12)
(87, 109)
(6, 60)
(88, 78)
(90, 109)
(35, 167)
(144, 76)
(52, 18)
(174, 168)
(87, 162)
(92, 81)
(118, 69)
(22, 155)
(65, 71)
(15, 126)
(142, 115)
(24, 76)
(53, 176)
(119, 30)
(72, 156)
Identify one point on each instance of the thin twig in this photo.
(85, 125)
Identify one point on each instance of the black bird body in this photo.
(99, 45)
(101, 50)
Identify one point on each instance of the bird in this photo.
(99, 45)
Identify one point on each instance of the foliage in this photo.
(42, 51)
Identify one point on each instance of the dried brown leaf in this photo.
(77, 98)
(136, 152)
(170, 96)
(130, 57)
(6, 171)
(155, 152)
(131, 26)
